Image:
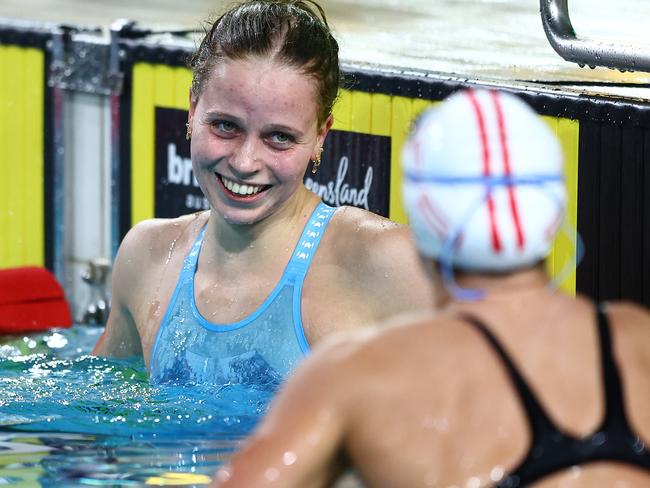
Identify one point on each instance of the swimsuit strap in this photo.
(192, 258)
(622, 443)
(309, 241)
(545, 454)
(540, 424)
(615, 417)
(551, 450)
(302, 254)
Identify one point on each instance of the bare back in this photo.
(429, 402)
(458, 421)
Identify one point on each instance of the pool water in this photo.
(71, 419)
(73, 460)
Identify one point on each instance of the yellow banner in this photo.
(22, 159)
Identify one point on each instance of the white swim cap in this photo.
(483, 186)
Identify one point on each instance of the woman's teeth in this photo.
(240, 189)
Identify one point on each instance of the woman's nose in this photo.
(244, 159)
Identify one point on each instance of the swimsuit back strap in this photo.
(309, 241)
(624, 445)
(614, 407)
(540, 424)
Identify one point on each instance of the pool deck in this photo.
(498, 41)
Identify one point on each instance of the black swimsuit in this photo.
(550, 449)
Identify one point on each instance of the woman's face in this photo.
(254, 130)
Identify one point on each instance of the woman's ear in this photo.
(190, 114)
(324, 129)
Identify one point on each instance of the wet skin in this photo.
(426, 402)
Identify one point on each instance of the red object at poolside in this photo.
(31, 299)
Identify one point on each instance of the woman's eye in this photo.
(281, 139)
(225, 127)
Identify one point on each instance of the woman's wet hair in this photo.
(294, 32)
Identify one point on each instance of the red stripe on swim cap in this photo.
(507, 169)
(496, 241)
(432, 217)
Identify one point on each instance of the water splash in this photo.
(101, 396)
(69, 419)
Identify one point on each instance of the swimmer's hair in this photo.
(294, 32)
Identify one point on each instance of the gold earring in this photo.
(188, 134)
(316, 162)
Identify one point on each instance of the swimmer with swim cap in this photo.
(513, 382)
(490, 203)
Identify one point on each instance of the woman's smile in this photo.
(240, 191)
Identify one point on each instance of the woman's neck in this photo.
(498, 286)
(270, 236)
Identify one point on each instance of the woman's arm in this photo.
(299, 442)
(121, 337)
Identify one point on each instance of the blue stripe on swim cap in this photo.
(484, 180)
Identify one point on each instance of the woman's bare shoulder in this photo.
(360, 220)
(384, 258)
(371, 238)
(422, 342)
(146, 250)
(628, 312)
(631, 323)
(152, 238)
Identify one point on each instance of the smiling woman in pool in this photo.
(240, 293)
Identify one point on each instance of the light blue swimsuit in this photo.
(259, 350)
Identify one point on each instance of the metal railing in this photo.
(588, 51)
